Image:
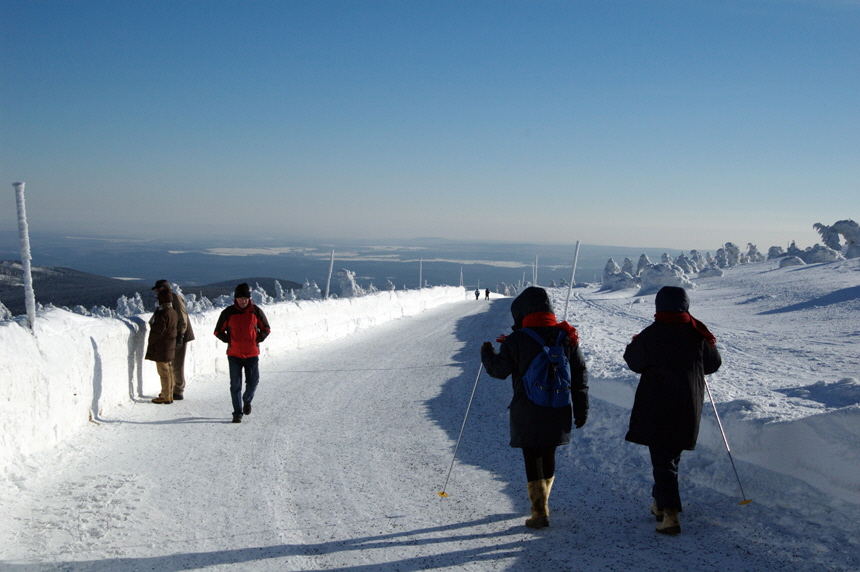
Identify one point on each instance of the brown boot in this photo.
(670, 524)
(538, 495)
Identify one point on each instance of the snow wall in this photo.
(75, 369)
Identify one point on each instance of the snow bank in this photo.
(76, 369)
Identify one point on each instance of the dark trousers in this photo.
(665, 465)
(252, 377)
(540, 463)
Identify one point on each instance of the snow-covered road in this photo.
(339, 464)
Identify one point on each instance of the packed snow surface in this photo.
(339, 465)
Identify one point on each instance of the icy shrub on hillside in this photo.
(721, 260)
(259, 296)
(733, 254)
(195, 306)
(389, 285)
(130, 306)
(102, 312)
(791, 261)
(616, 279)
(644, 262)
(753, 255)
(684, 264)
(5, 314)
(349, 288)
(659, 275)
(697, 260)
(627, 266)
(849, 230)
(372, 289)
(280, 295)
(666, 259)
(310, 291)
(223, 301)
(710, 271)
(775, 252)
(821, 253)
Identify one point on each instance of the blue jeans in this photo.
(252, 378)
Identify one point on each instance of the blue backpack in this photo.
(547, 380)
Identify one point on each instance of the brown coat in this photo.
(183, 326)
(161, 345)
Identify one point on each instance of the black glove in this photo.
(179, 343)
(487, 347)
(579, 423)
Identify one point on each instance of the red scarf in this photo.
(686, 318)
(539, 319)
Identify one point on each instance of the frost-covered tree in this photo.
(195, 306)
(753, 255)
(733, 254)
(849, 230)
(721, 260)
(102, 312)
(644, 262)
(223, 301)
(259, 295)
(310, 291)
(280, 295)
(775, 252)
(372, 289)
(697, 260)
(5, 313)
(81, 310)
(389, 285)
(133, 306)
(666, 259)
(349, 288)
(627, 266)
(659, 275)
(684, 264)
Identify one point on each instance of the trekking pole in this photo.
(726, 441)
(442, 493)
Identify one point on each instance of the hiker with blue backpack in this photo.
(550, 384)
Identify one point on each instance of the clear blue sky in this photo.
(681, 123)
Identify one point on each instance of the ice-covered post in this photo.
(534, 271)
(572, 275)
(420, 273)
(24, 235)
(330, 270)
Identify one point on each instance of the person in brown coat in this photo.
(161, 345)
(184, 334)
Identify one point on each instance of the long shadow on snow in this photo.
(837, 297)
(200, 560)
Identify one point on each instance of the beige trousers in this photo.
(165, 372)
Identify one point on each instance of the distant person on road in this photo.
(242, 327)
(184, 334)
(161, 345)
(477, 294)
(536, 429)
(487, 294)
(673, 356)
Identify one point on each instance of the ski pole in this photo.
(442, 493)
(726, 441)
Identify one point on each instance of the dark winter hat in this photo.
(165, 297)
(672, 299)
(161, 284)
(242, 291)
(531, 300)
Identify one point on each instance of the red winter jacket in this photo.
(242, 330)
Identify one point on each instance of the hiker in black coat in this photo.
(674, 354)
(538, 430)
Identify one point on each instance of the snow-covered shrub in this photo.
(791, 261)
(310, 291)
(81, 310)
(821, 253)
(644, 262)
(655, 277)
(733, 254)
(666, 259)
(710, 271)
(280, 295)
(389, 285)
(753, 255)
(775, 252)
(195, 306)
(684, 264)
(130, 306)
(372, 289)
(223, 301)
(849, 230)
(721, 260)
(259, 295)
(102, 312)
(349, 288)
(627, 266)
(697, 260)
(5, 313)
(616, 279)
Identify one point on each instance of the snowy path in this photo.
(339, 464)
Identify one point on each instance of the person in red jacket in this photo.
(242, 327)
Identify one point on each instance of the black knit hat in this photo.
(532, 299)
(242, 291)
(672, 299)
